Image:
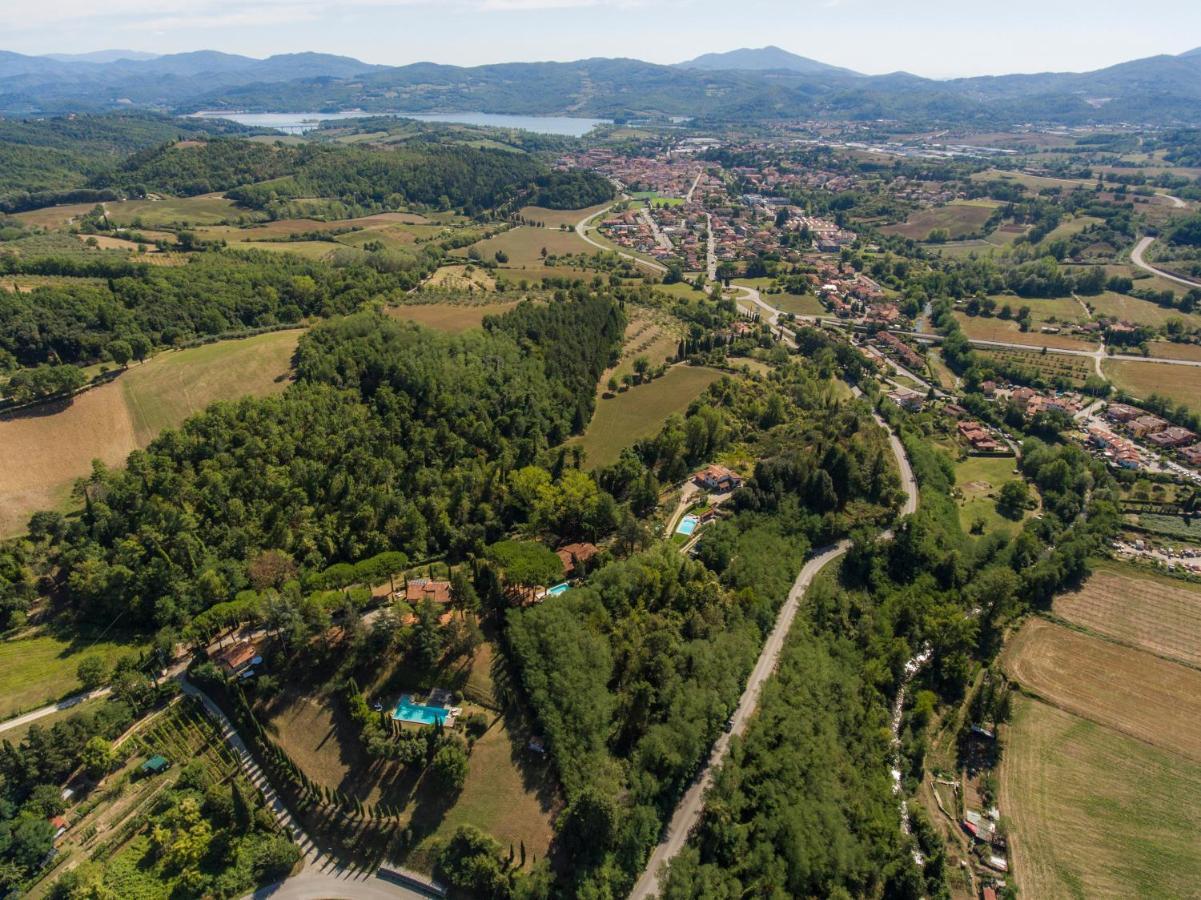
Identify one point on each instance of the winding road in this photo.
(691, 806)
(1136, 257)
(581, 229)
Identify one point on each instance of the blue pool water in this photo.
(558, 589)
(687, 525)
(408, 711)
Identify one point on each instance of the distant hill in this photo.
(741, 86)
(762, 59)
(100, 56)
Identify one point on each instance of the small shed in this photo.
(155, 765)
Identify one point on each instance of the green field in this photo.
(209, 209)
(307, 249)
(991, 328)
(1139, 312)
(1141, 379)
(979, 479)
(641, 411)
(42, 454)
(1053, 309)
(38, 670)
(957, 218)
(1051, 365)
(524, 245)
(1095, 813)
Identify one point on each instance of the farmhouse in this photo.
(418, 589)
(236, 659)
(574, 555)
(717, 478)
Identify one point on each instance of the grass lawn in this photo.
(979, 479)
(798, 304)
(1119, 687)
(553, 218)
(209, 209)
(38, 670)
(450, 317)
(307, 249)
(1140, 312)
(1094, 813)
(957, 218)
(680, 289)
(1179, 383)
(641, 411)
(1166, 350)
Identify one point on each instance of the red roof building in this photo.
(419, 589)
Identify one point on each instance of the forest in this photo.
(632, 675)
(393, 438)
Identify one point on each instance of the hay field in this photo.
(450, 317)
(207, 209)
(1154, 613)
(1094, 813)
(640, 412)
(1140, 695)
(1139, 312)
(553, 218)
(43, 451)
(993, 329)
(957, 218)
(524, 245)
(1167, 350)
(1179, 383)
(308, 249)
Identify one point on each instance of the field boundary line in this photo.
(1110, 639)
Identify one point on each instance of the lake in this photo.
(299, 123)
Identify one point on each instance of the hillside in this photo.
(762, 59)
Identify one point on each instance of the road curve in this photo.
(581, 230)
(688, 811)
(1136, 257)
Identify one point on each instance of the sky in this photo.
(934, 38)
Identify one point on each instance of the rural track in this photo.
(51, 708)
(687, 814)
(1136, 257)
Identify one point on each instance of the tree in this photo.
(450, 765)
(92, 672)
(120, 352)
(1013, 499)
(270, 569)
(98, 757)
(642, 365)
(525, 565)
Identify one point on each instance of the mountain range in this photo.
(748, 85)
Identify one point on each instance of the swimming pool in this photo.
(408, 711)
(687, 525)
(558, 589)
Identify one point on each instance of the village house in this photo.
(237, 659)
(1120, 412)
(575, 555)
(418, 589)
(979, 439)
(717, 478)
(1192, 455)
(1171, 437)
(1147, 424)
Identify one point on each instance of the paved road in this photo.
(52, 708)
(1098, 354)
(692, 190)
(582, 231)
(710, 249)
(1136, 257)
(688, 812)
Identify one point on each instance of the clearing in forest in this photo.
(523, 246)
(450, 317)
(1133, 692)
(1152, 612)
(44, 449)
(640, 412)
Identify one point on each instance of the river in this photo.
(300, 122)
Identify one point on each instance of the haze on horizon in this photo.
(933, 38)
